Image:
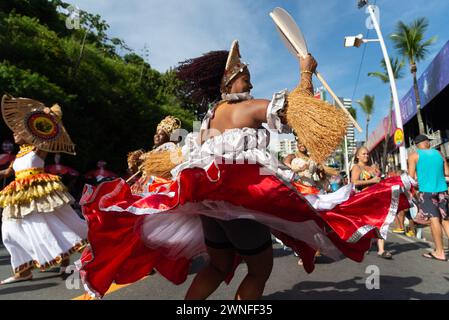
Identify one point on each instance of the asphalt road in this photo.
(407, 276)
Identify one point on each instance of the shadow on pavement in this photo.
(391, 287)
(398, 248)
(199, 263)
(9, 290)
(5, 260)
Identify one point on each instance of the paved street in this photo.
(408, 276)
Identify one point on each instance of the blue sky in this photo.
(175, 30)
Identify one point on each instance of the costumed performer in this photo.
(229, 195)
(39, 227)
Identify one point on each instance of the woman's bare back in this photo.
(245, 114)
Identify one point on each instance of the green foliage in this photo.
(367, 105)
(353, 112)
(397, 67)
(409, 39)
(111, 104)
(410, 43)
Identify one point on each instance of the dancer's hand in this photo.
(376, 179)
(308, 63)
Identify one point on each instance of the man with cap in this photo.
(429, 167)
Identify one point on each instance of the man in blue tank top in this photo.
(429, 167)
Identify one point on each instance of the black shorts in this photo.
(247, 237)
(434, 204)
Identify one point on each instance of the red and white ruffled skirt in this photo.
(130, 234)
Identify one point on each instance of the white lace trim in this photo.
(246, 145)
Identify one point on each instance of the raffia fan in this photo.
(45, 131)
(160, 163)
(318, 124)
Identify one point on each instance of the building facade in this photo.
(286, 147)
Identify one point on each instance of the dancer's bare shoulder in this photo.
(254, 111)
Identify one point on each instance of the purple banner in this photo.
(433, 80)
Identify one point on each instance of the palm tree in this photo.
(397, 66)
(353, 112)
(410, 43)
(367, 105)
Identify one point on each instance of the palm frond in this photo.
(409, 39)
(380, 75)
(367, 105)
(353, 112)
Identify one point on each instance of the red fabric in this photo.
(120, 256)
(303, 189)
(158, 182)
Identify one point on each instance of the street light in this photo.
(357, 41)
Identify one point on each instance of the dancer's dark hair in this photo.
(202, 77)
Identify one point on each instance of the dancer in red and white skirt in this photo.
(226, 199)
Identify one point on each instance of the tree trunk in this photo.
(366, 138)
(387, 135)
(418, 101)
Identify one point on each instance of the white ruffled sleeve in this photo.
(275, 108)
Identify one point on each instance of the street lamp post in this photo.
(356, 41)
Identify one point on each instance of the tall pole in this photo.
(347, 159)
(402, 152)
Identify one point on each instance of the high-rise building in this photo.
(350, 129)
(287, 146)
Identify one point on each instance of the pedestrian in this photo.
(363, 175)
(430, 168)
(40, 229)
(400, 218)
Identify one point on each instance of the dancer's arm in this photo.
(446, 166)
(308, 67)
(412, 161)
(258, 107)
(7, 172)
